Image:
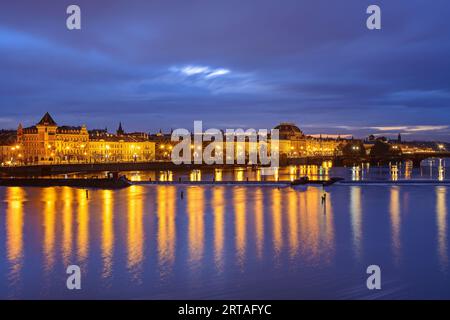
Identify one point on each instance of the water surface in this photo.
(146, 242)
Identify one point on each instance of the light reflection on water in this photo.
(441, 212)
(219, 224)
(195, 211)
(135, 233)
(166, 211)
(82, 226)
(107, 232)
(356, 219)
(394, 209)
(222, 241)
(49, 198)
(14, 233)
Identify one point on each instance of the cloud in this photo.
(160, 65)
(192, 70)
(333, 136)
(207, 72)
(419, 128)
(218, 72)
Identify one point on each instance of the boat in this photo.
(113, 181)
(303, 181)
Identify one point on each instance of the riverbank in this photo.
(289, 183)
(104, 183)
(395, 182)
(98, 183)
(69, 168)
(46, 170)
(218, 183)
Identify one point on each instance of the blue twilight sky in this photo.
(164, 64)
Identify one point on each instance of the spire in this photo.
(120, 131)
(47, 120)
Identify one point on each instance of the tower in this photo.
(19, 133)
(46, 130)
(120, 131)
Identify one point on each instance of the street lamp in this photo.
(13, 150)
(107, 147)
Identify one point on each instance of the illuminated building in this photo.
(411, 148)
(293, 143)
(404, 147)
(10, 152)
(163, 145)
(48, 143)
(121, 147)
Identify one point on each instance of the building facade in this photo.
(120, 148)
(48, 143)
(10, 151)
(293, 143)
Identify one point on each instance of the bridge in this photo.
(417, 158)
(42, 170)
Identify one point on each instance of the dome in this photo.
(289, 130)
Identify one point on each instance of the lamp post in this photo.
(107, 147)
(13, 151)
(67, 154)
(83, 153)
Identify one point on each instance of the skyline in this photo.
(121, 127)
(153, 67)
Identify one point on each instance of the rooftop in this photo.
(47, 120)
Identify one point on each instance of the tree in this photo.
(384, 149)
(354, 148)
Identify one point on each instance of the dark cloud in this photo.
(163, 64)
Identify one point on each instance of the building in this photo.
(121, 147)
(293, 143)
(405, 147)
(10, 152)
(48, 143)
(163, 145)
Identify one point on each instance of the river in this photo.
(227, 242)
